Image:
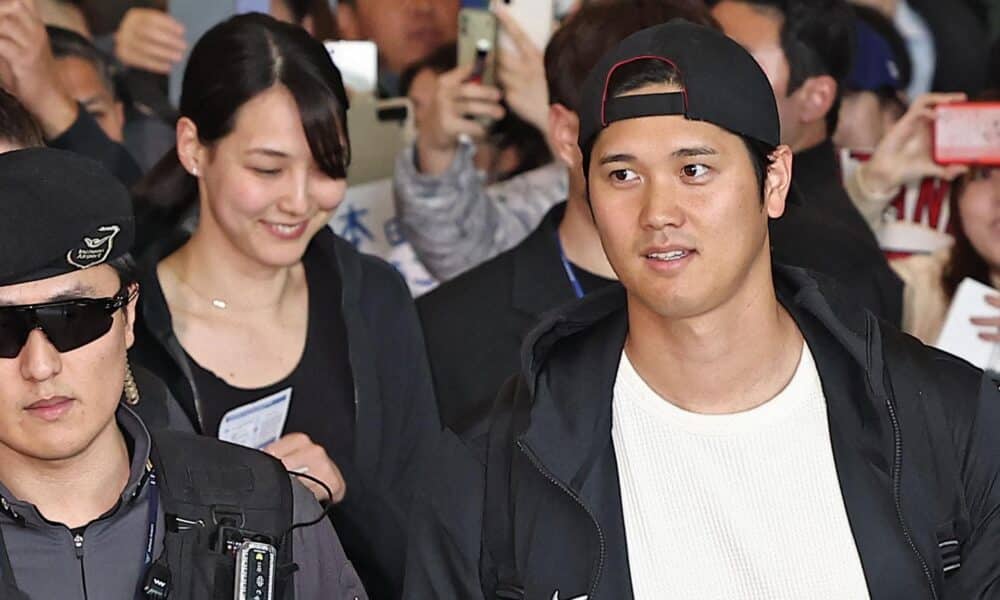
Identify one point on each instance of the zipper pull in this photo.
(78, 544)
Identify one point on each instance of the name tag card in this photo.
(257, 424)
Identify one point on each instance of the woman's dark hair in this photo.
(641, 73)
(964, 261)
(231, 64)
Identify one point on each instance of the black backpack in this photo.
(204, 483)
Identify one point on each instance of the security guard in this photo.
(92, 505)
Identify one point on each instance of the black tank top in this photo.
(322, 403)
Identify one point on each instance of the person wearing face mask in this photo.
(250, 297)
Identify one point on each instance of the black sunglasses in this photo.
(68, 324)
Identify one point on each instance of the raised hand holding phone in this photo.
(906, 153)
(522, 72)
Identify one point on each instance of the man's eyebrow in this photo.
(76, 292)
(694, 151)
(613, 158)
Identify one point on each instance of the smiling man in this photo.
(718, 428)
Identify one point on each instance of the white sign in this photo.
(257, 424)
(367, 219)
(959, 336)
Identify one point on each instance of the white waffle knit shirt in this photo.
(744, 506)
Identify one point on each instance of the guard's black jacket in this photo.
(395, 411)
(914, 435)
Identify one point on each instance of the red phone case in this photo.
(967, 133)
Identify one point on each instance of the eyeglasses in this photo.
(68, 324)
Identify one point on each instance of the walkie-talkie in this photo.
(255, 571)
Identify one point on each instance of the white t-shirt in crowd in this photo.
(742, 506)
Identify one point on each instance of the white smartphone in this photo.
(536, 17)
(357, 62)
(198, 16)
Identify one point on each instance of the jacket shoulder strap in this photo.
(204, 483)
(508, 421)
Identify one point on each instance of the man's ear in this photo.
(564, 129)
(816, 98)
(348, 23)
(190, 151)
(778, 181)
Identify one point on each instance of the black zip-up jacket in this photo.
(913, 433)
(395, 411)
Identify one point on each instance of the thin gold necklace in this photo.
(220, 303)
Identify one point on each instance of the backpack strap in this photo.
(508, 421)
(205, 483)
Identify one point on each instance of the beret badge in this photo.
(94, 250)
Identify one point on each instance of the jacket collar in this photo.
(135, 431)
(570, 362)
(571, 414)
(538, 269)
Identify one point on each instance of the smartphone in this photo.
(381, 129)
(358, 64)
(967, 133)
(536, 18)
(198, 16)
(477, 39)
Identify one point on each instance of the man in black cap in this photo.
(804, 47)
(92, 503)
(718, 428)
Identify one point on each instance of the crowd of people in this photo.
(694, 262)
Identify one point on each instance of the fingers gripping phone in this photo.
(967, 133)
(535, 17)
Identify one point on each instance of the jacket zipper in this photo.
(78, 545)
(897, 462)
(600, 533)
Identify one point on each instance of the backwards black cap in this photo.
(61, 212)
(722, 84)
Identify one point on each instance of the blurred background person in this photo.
(804, 47)
(17, 128)
(931, 280)
(405, 31)
(447, 210)
(874, 94)
(29, 72)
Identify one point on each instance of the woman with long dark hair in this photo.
(931, 280)
(251, 302)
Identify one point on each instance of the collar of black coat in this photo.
(570, 363)
(814, 168)
(537, 268)
(138, 441)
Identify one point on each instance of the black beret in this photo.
(722, 84)
(61, 212)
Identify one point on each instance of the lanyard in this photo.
(570, 272)
(152, 516)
